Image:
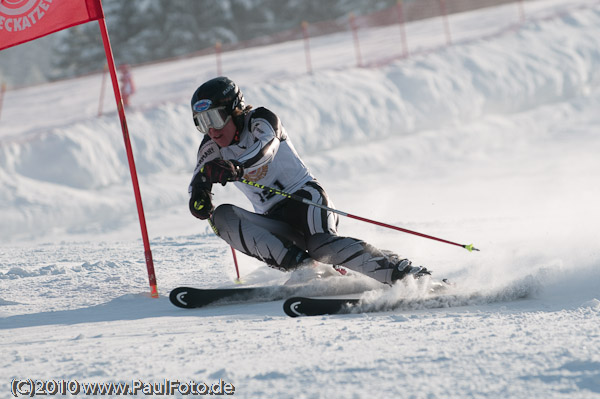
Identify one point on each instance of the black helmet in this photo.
(220, 94)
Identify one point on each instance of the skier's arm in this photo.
(199, 189)
(266, 128)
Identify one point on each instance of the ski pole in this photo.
(238, 280)
(235, 262)
(468, 247)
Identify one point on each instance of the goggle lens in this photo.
(215, 118)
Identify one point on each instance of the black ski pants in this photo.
(292, 232)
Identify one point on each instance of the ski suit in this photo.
(282, 232)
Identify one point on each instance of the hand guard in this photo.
(200, 200)
(201, 204)
(222, 171)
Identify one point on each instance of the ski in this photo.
(317, 306)
(188, 297)
(303, 306)
(306, 282)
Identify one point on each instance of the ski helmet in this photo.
(214, 101)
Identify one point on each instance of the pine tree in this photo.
(149, 30)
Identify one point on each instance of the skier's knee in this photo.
(319, 246)
(294, 258)
(222, 215)
(222, 211)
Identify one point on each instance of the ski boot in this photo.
(404, 268)
(311, 269)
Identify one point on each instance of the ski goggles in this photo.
(215, 118)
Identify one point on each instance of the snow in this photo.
(491, 142)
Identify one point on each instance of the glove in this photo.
(201, 204)
(222, 171)
(200, 198)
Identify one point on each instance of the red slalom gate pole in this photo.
(306, 47)
(356, 40)
(402, 28)
(2, 91)
(445, 19)
(468, 247)
(132, 169)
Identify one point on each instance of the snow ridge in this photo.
(83, 162)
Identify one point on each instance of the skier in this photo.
(240, 141)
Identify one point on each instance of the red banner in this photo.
(25, 20)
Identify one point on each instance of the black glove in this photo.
(201, 204)
(222, 171)
(200, 200)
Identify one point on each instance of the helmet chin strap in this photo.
(238, 121)
(236, 137)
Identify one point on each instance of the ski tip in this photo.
(302, 306)
(179, 297)
(291, 307)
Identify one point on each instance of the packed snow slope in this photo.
(492, 142)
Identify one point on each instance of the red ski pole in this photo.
(468, 247)
(237, 269)
(235, 262)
